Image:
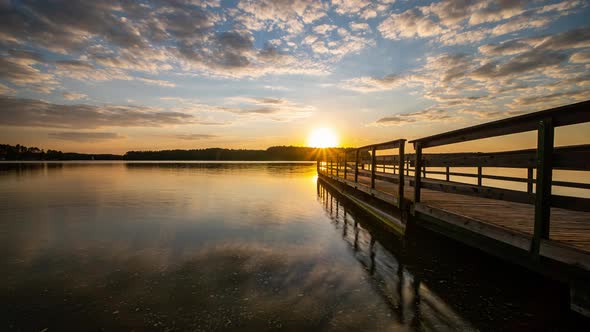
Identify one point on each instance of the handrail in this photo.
(546, 157)
(561, 116)
(384, 145)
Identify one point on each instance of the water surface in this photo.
(236, 246)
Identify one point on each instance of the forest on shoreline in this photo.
(275, 153)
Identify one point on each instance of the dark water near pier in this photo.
(222, 247)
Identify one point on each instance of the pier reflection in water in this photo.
(433, 283)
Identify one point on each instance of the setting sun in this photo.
(322, 138)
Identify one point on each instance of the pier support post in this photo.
(373, 166)
(356, 167)
(543, 188)
(417, 172)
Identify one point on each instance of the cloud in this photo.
(510, 47)
(5, 90)
(455, 12)
(363, 27)
(536, 59)
(409, 24)
(18, 68)
(581, 57)
(491, 114)
(372, 84)
(194, 137)
(420, 116)
(267, 108)
(78, 136)
(545, 101)
(73, 95)
(36, 113)
(162, 83)
(286, 15)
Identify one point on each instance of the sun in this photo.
(322, 138)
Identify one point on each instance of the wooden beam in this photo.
(384, 146)
(543, 190)
(345, 166)
(356, 167)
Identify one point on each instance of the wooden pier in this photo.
(534, 227)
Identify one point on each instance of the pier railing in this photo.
(366, 162)
(544, 159)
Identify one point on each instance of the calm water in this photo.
(220, 247)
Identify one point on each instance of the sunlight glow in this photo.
(322, 138)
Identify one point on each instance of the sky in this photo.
(105, 76)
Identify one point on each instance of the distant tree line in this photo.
(275, 153)
(21, 152)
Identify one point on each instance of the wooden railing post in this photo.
(529, 183)
(448, 175)
(401, 173)
(331, 167)
(408, 166)
(417, 172)
(345, 166)
(356, 167)
(479, 175)
(543, 189)
(337, 166)
(318, 167)
(373, 165)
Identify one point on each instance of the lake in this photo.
(176, 246)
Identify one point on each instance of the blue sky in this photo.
(112, 76)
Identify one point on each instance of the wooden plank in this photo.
(543, 185)
(498, 233)
(562, 116)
